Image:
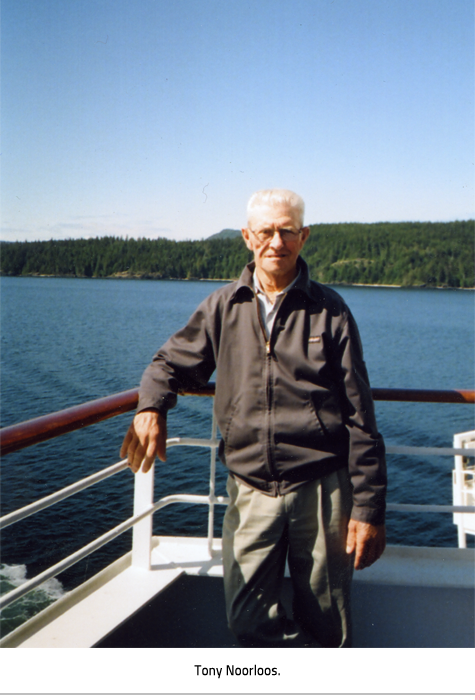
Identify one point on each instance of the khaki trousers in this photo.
(306, 527)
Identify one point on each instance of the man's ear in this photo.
(305, 234)
(246, 236)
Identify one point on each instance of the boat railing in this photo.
(17, 437)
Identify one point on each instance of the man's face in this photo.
(275, 257)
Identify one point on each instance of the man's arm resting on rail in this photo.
(145, 439)
(366, 541)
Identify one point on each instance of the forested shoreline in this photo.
(405, 254)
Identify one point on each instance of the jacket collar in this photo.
(303, 284)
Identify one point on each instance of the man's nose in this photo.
(277, 241)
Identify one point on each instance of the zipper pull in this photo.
(268, 347)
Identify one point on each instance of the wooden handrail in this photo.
(425, 395)
(31, 432)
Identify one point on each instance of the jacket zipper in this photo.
(268, 390)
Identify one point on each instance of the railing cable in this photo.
(58, 496)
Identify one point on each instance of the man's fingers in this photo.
(351, 538)
(145, 440)
(140, 459)
(147, 463)
(366, 541)
(160, 445)
(150, 455)
(132, 449)
(135, 455)
(127, 440)
(361, 554)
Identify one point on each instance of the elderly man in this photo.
(307, 474)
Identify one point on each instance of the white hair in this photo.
(271, 198)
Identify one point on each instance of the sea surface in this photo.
(67, 341)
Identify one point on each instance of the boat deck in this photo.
(412, 597)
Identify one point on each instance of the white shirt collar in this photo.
(259, 290)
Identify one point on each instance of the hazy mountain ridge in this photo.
(225, 233)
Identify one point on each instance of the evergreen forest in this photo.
(407, 254)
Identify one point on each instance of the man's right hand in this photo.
(146, 439)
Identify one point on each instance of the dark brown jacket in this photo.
(290, 410)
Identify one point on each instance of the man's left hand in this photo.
(367, 541)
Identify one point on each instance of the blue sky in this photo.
(161, 117)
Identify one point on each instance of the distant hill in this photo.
(406, 253)
(226, 233)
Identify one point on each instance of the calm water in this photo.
(66, 341)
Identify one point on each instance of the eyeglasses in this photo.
(287, 234)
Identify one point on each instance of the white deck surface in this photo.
(406, 566)
(85, 616)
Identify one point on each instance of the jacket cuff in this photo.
(145, 404)
(152, 408)
(368, 515)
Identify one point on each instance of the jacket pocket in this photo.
(329, 414)
(297, 424)
(243, 428)
(228, 427)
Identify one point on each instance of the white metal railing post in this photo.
(212, 486)
(462, 494)
(142, 531)
(457, 493)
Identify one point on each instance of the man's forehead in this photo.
(268, 215)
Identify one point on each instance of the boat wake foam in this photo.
(14, 575)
